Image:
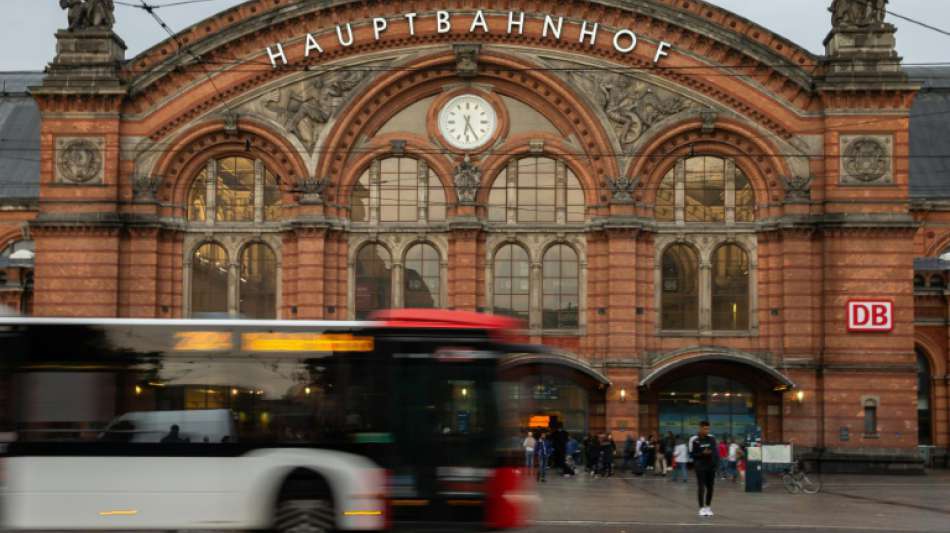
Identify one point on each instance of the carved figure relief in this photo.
(622, 188)
(313, 189)
(304, 108)
(632, 105)
(468, 178)
(79, 160)
(89, 14)
(145, 188)
(866, 160)
(797, 188)
(851, 14)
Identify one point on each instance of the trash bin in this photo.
(753, 470)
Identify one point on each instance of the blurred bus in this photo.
(231, 424)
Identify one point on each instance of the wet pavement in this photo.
(653, 504)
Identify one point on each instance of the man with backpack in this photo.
(544, 450)
(705, 453)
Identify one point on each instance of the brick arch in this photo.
(714, 354)
(939, 245)
(707, 35)
(10, 237)
(758, 159)
(543, 91)
(930, 349)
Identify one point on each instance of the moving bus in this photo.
(229, 424)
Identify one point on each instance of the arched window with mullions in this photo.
(423, 283)
(730, 288)
(258, 284)
(398, 189)
(680, 288)
(209, 280)
(512, 282)
(234, 189)
(536, 190)
(705, 189)
(561, 288)
(373, 280)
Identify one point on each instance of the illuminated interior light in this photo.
(305, 342)
(125, 512)
(363, 513)
(234, 392)
(307, 391)
(464, 392)
(138, 390)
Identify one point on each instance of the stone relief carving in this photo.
(852, 14)
(866, 159)
(313, 189)
(466, 59)
(797, 188)
(468, 178)
(79, 160)
(89, 14)
(145, 188)
(305, 107)
(622, 188)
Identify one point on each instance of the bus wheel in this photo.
(304, 516)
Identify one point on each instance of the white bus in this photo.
(293, 426)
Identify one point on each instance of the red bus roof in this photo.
(444, 319)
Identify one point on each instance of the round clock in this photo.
(467, 122)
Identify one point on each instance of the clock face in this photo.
(468, 122)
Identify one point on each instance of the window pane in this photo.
(399, 190)
(512, 282)
(373, 280)
(705, 189)
(575, 199)
(234, 201)
(666, 198)
(209, 280)
(680, 300)
(536, 189)
(437, 205)
(258, 282)
(745, 198)
(198, 198)
(271, 197)
(359, 201)
(561, 294)
(423, 277)
(498, 198)
(730, 289)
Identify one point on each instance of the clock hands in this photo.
(468, 126)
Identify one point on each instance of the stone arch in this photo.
(702, 33)
(189, 152)
(553, 97)
(715, 354)
(940, 245)
(510, 241)
(758, 159)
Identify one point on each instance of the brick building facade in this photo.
(680, 200)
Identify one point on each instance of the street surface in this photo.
(653, 504)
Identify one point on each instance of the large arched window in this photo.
(234, 189)
(536, 189)
(714, 190)
(423, 283)
(209, 280)
(924, 414)
(373, 280)
(561, 293)
(680, 288)
(258, 285)
(512, 290)
(730, 288)
(398, 189)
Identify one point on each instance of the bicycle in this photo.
(796, 480)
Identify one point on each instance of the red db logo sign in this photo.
(870, 315)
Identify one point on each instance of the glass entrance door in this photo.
(726, 404)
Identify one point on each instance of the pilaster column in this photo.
(705, 295)
(537, 288)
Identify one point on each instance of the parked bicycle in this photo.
(796, 480)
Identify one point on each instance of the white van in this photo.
(195, 426)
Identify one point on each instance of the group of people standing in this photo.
(669, 453)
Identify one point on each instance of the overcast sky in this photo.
(27, 43)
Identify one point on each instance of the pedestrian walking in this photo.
(641, 453)
(661, 465)
(528, 445)
(735, 452)
(723, 459)
(544, 450)
(705, 453)
(681, 461)
(593, 454)
(669, 445)
(629, 447)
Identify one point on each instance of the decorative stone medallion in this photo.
(867, 160)
(79, 160)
